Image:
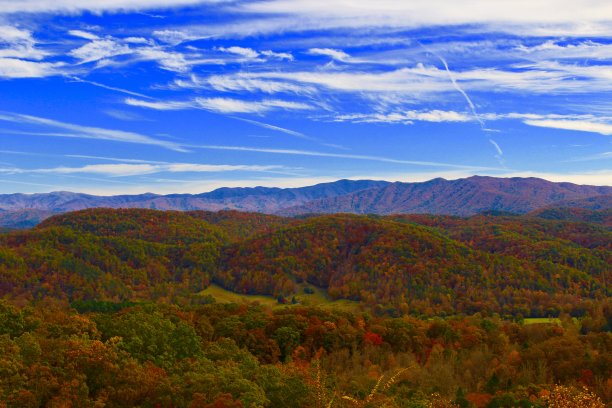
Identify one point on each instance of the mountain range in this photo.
(461, 197)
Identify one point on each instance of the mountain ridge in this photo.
(462, 197)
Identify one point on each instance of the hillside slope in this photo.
(421, 264)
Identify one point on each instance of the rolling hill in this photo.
(420, 264)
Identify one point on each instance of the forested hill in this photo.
(417, 264)
(462, 197)
(146, 308)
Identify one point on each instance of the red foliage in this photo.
(479, 400)
(373, 339)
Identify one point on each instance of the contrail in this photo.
(500, 154)
(460, 90)
(499, 150)
(112, 88)
(273, 127)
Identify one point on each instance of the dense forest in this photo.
(108, 308)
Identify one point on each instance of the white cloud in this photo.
(241, 83)
(115, 159)
(406, 117)
(18, 43)
(137, 40)
(160, 105)
(11, 34)
(113, 170)
(95, 6)
(99, 49)
(553, 50)
(170, 61)
(208, 168)
(86, 132)
(277, 55)
(540, 78)
(247, 53)
(130, 169)
(173, 37)
(16, 68)
(583, 123)
(422, 80)
(407, 80)
(221, 105)
(83, 34)
(228, 105)
(234, 83)
(538, 17)
(253, 55)
(338, 55)
(579, 125)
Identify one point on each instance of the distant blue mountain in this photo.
(462, 197)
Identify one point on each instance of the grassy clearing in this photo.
(317, 298)
(540, 320)
(225, 296)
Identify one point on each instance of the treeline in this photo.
(229, 355)
(419, 265)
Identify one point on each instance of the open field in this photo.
(317, 298)
(540, 320)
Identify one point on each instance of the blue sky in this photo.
(133, 96)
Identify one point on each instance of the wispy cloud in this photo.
(406, 117)
(228, 105)
(86, 132)
(131, 169)
(123, 115)
(19, 43)
(95, 6)
(247, 53)
(338, 55)
(222, 105)
(83, 34)
(174, 37)
(99, 49)
(240, 83)
(538, 17)
(414, 80)
(17, 68)
(295, 152)
(161, 105)
(423, 80)
(579, 125)
(114, 159)
(277, 55)
(593, 157)
(552, 49)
